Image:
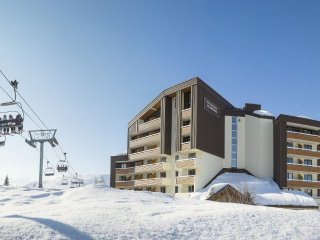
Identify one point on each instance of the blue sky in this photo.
(87, 67)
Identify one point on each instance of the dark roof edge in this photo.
(299, 120)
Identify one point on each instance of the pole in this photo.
(41, 165)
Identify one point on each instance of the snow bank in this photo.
(265, 191)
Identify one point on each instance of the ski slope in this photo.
(105, 213)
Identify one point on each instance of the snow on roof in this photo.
(263, 113)
(265, 191)
(306, 117)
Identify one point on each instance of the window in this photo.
(191, 188)
(307, 147)
(186, 123)
(186, 139)
(163, 174)
(148, 188)
(308, 191)
(176, 189)
(187, 100)
(192, 172)
(234, 142)
(307, 177)
(122, 178)
(123, 165)
(177, 157)
(177, 173)
(163, 159)
(307, 162)
(192, 155)
(163, 189)
(290, 144)
(289, 176)
(289, 160)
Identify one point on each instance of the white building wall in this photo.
(259, 146)
(241, 160)
(207, 166)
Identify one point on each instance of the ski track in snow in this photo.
(105, 213)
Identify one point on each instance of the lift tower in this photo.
(42, 136)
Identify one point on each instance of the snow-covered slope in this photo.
(105, 213)
(265, 191)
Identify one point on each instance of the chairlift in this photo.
(64, 181)
(62, 165)
(76, 182)
(49, 171)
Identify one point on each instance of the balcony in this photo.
(149, 126)
(185, 146)
(186, 130)
(294, 183)
(303, 136)
(185, 180)
(186, 163)
(186, 114)
(151, 182)
(148, 140)
(303, 168)
(123, 171)
(124, 184)
(303, 152)
(151, 153)
(154, 167)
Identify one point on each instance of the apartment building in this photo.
(187, 135)
(297, 154)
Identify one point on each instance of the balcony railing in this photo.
(124, 184)
(145, 154)
(302, 183)
(185, 146)
(186, 163)
(303, 136)
(149, 126)
(148, 140)
(124, 171)
(185, 180)
(186, 130)
(151, 182)
(303, 168)
(303, 152)
(153, 167)
(186, 114)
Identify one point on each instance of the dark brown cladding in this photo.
(280, 145)
(166, 122)
(113, 161)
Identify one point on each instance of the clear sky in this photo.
(87, 67)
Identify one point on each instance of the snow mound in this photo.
(263, 113)
(265, 191)
(306, 117)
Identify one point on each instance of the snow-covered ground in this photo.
(106, 213)
(264, 191)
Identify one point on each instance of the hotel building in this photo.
(189, 134)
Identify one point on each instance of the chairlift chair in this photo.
(64, 181)
(62, 165)
(49, 171)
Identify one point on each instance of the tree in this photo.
(6, 181)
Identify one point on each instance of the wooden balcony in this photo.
(155, 167)
(303, 152)
(294, 183)
(152, 182)
(185, 180)
(149, 126)
(186, 114)
(147, 154)
(303, 168)
(148, 140)
(186, 163)
(185, 146)
(303, 137)
(186, 130)
(123, 171)
(124, 184)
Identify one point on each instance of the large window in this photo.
(307, 147)
(163, 189)
(176, 189)
(308, 191)
(289, 176)
(191, 188)
(187, 100)
(290, 144)
(307, 162)
(234, 143)
(192, 155)
(307, 177)
(191, 172)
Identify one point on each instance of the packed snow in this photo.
(97, 212)
(264, 191)
(263, 113)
